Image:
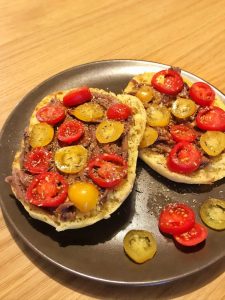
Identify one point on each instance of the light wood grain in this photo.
(41, 38)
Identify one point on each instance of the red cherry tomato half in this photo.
(119, 111)
(51, 114)
(168, 82)
(107, 170)
(211, 118)
(70, 131)
(37, 160)
(77, 96)
(202, 93)
(48, 189)
(184, 158)
(183, 133)
(196, 235)
(176, 218)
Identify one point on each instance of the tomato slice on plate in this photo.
(48, 189)
(184, 158)
(119, 111)
(211, 118)
(70, 131)
(37, 160)
(194, 236)
(183, 133)
(212, 213)
(77, 96)
(51, 114)
(107, 170)
(168, 82)
(202, 93)
(176, 218)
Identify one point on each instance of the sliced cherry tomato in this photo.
(70, 131)
(109, 131)
(48, 189)
(37, 160)
(202, 93)
(88, 112)
(194, 236)
(212, 213)
(119, 111)
(51, 114)
(77, 96)
(184, 158)
(107, 170)
(176, 218)
(84, 195)
(149, 137)
(211, 118)
(213, 142)
(183, 133)
(71, 159)
(145, 94)
(139, 245)
(168, 82)
(183, 108)
(41, 135)
(158, 115)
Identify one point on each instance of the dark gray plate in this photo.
(96, 252)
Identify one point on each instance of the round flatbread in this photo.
(155, 157)
(111, 199)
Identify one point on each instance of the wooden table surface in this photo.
(41, 38)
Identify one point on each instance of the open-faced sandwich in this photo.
(77, 161)
(184, 139)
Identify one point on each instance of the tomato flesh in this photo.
(70, 131)
(176, 218)
(119, 111)
(183, 133)
(168, 82)
(107, 170)
(48, 189)
(202, 93)
(184, 158)
(51, 114)
(211, 118)
(77, 96)
(194, 236)
(37, 160)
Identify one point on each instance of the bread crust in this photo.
(114, 198)
(214, 171)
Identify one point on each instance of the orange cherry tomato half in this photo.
(70, 131)
(202, 93)
(194, 236)
(183, 133)
(77, 96)
(51, 114)
(168, 82)
(48, 189)
(37, 160)
(107, 170)
(184, 158)
(176, 218)
(118, 111)
(211, 118)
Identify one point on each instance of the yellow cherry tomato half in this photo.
(71, 159)
(109, 131)
(212, 213)
(149, 137)
(88, 112)
(145, 94)
(84, 195)
(41, 135)
(213, 142)
(183, 108)
(139, 245)
(157, 116)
